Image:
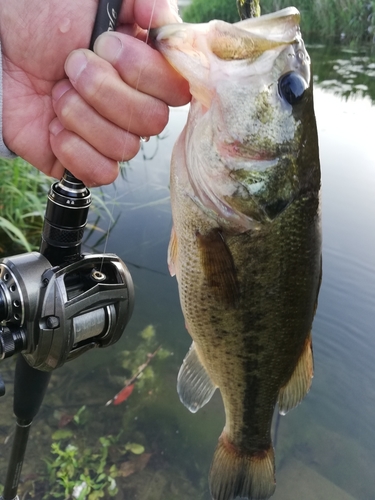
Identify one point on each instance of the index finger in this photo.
(149, 13)
(143, 68)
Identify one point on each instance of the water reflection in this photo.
(345, 73)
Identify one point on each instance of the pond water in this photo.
(326, 446)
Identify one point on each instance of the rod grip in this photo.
(30, 386)
(106, 18)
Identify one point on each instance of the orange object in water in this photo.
(123, 394)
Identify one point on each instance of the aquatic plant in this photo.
(84, 473)
(136, 361)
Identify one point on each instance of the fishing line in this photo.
(142, 139)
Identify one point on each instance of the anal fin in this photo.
(194, 385)
(299, 383)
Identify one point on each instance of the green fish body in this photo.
(246, 241)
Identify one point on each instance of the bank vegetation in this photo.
(325, 21)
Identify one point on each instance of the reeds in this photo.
(329, 20)
(322, 20)
(23, 198)
(23, 195)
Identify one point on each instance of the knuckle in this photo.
(67, 115)
(106, 172)
(67, 108)
(157, 119)
(120, 147)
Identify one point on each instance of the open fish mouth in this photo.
(254, 43)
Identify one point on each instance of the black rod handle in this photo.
(106, 18)
(15, 462)
(30, 386)
(69, 200)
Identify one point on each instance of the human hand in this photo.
(95, 118)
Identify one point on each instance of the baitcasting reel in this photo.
(53, 314)
(57, 303)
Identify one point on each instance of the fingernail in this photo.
(108, 46)
(75, 64)
(55, 126)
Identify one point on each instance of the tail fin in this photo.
(234, 474)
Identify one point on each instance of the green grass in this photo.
(323, 20)
(23, 196)
(202, 11)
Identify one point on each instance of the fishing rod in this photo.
(57, 304)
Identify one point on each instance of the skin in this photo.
(95, 117)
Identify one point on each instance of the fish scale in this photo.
(246, 244)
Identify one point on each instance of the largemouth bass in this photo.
(246, 240)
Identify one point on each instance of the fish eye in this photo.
(292, 87)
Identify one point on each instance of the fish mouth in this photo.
(198, 51)
(281, 26)
(233, 71)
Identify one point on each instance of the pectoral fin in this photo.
(218, 267)
(172, 253)
(299, 383)
(194, 385)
